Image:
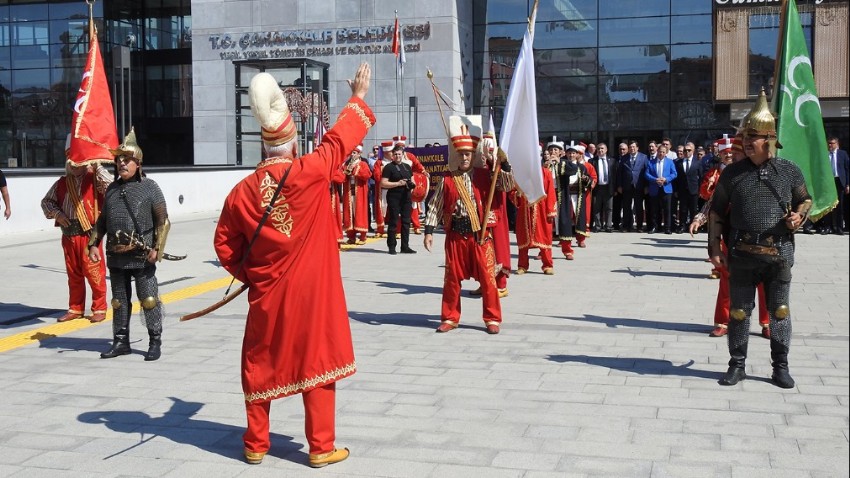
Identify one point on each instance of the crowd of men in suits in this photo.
(658, 191)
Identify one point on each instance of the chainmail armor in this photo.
(756, 213)
(147, 205)
(146, 286)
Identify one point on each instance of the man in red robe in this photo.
(74, 202)
(297, 336)
(534, 223)
(588, 196)
(355, 197)
(459, 203)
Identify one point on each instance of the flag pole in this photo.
(497, 165)
(395, 44)
(780, 51)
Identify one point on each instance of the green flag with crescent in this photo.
(799, 119)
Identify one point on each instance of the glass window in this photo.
(558, 10)
(166, 33)
(695, 114)
(566, 90)
(634, 116)
(764, 34)
(30, 81)
(634, 59)
(573, 62)
(30, 33)
(30, 56)
(691, 29)
(66, 80)
(60, 56)
(566, 34)
(633, 9)
(5, 39)
(692, 74)
(506, 32)
(498, 11)
(5, 91)
(5, 58)
(633, 31)
(634, 88)
(4, 13)
(72, 32)
(28, 12)
(555, 119)
(690, 7)
(169, 91)
(75, 10)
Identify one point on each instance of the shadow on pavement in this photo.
(687, 243)
(16, 313)
(617, 322)
(407, 289)
(62, 343)
(407, 320)
(178, 426)
(663, 258)
(677, 275)
(642, 366)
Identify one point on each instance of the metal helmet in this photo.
(760, 121)
(129, 147)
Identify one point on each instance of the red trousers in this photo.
(466, 259)
(545, 256)
(567, 247)
(80, 269)
(721, 308)
(319, 421)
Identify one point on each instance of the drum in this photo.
(420, 180)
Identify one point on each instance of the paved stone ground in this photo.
(604, 369)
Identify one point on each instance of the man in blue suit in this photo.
(840, 164)
(660, 174)
(630, 186)
(689, 173)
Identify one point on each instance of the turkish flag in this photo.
(396, 38)
(93, 131)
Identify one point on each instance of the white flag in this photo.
(401, 58)
(519, 136)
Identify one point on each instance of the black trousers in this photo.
(660, 210)
(632, 207)
(398, 205)
(688, 207)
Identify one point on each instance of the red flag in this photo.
(396, 41)
(93, 130)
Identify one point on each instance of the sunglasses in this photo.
(688, 150)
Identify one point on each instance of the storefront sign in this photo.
(316, 43)
(758, 3)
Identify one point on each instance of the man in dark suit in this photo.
(840, 164)
(603, 193)
(689, 172)
(630, 185)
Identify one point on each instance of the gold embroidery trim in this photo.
(289, 389)
(268, 162)
(279, 217)
(359, 111)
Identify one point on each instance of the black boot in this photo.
(779, 355)
(736, 372)
(154, 351)
(120, 346)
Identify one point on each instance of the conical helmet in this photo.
(760, 120)
(129, 147)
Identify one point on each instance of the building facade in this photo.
(606, 70)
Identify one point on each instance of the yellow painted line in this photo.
(62, 328)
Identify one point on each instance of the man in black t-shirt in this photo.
(396, 180)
